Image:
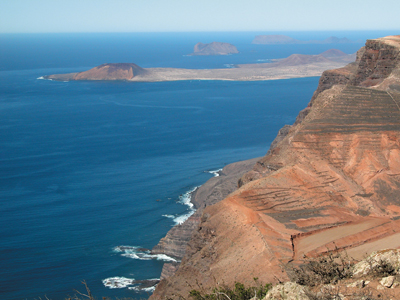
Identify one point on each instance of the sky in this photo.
(40, 16)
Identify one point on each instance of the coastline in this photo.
(212, 191)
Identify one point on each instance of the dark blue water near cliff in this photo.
(88, 166)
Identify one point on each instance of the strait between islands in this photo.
(294, 66)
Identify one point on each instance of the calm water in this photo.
(88, 166)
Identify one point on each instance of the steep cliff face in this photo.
(378, 61)
(214, 190)
(332, 181)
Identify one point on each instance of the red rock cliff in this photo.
(332, 181)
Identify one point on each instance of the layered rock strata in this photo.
(333, 182)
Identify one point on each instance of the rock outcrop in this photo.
(331, 183)
(387, 257)
(287, 291)
(214, 48)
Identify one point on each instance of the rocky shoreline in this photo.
(214, 190)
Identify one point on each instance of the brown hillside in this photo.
(117, 71)
(332, 181)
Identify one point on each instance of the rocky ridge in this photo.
(331, 182)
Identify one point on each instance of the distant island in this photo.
(284, 39)
(214, 48)
(294, 66)
(116, 71)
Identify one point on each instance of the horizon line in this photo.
(205, 31)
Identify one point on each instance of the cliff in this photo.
(331, 181)
(214, 48)
(214, 190)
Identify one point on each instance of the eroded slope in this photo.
(332, 181)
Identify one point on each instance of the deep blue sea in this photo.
(86, 167)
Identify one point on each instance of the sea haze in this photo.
(90, 166)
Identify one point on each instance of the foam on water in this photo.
(148, 285)
(149, 289)
(169, 216)
(216, 173)
(42, 78)
(141, 254)
(186, 198)
(181, 219)
(118, 282)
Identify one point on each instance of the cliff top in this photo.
(393, 40)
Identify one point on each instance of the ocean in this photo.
(86, 167)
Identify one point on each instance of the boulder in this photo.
(367, 265)
(287, 291)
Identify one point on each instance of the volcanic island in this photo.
(294, 66)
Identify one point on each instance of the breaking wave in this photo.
(43, 78)
(216, 173)
(185, 199)
(179, 219)
(141, 254)
(118, 282)
(150, 289)
(148, 285)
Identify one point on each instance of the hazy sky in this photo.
(196, 15)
